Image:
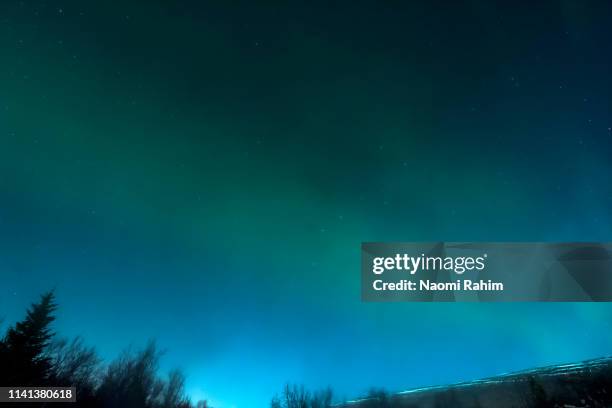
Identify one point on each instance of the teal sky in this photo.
(203, 173)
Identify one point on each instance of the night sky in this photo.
(203, 173)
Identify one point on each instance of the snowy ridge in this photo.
(559, 370)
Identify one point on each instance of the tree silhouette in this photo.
(130, 380)
(173, 394)
(295, 396)
(322, 399)
(23, 356)
(276, 402)
(29, 356)
(76, 365)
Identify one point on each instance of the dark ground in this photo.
(586, 384)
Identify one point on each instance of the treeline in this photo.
(294, 396)
(32, 355)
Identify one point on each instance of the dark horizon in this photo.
(33, 354)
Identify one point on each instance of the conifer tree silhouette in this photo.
(23, 358)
